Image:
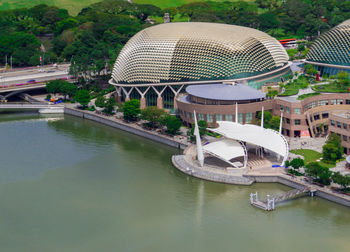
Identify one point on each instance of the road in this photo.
(39, 74)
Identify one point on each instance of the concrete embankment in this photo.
(136, 130)
(293, 182)
(180, 162)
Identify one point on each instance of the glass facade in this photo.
(218, 117)
(248, 117)
(228, 118)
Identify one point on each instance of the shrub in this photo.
(131, 109)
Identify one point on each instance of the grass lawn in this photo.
(175, 3)
(293, 87)
(331, 88)
(304, 96)
(74, 6)
(311, 156)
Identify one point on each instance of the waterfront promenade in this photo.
(261, 173)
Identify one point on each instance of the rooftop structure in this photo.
(160, 60)
(330, 53)
(225, 92)
(176, 52)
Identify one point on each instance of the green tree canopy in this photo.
(83, 97)
(320, 173)
(340, 179)
(172, 123)
(152, 114)
(297, 163)
(332, 150)
(131, 110)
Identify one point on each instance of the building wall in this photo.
(341, 125)
(314, 112)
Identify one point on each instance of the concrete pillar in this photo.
(118, 97)
(127, 98)
(175, 104)
(160, 102)
(142, 102)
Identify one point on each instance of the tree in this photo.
(83, 97)
(172, 123)
(100, 101)
(343, 78)
(152, 114)
(340, 179)
(332, 150)
(275, 123)
(53, 87)
(202, 125)
(320, 173)
(296, 163)
(310, 69)
(131, 109)
(109, 105)
(67, 89)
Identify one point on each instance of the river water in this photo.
(68, 184)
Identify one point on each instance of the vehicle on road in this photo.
(31, 81)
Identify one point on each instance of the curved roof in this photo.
(226, 150)
(253, 134)
(236, 92)
(332, 47)
(191, 51)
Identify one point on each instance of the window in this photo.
(209, 118)
(248, 117)
(316, 116)
(338, 124)
(281, 108)
(310, 105)
(287, 109)
(218, 117)
(336, 101)
(345, 138)
(200, 116)
(187, 114)
(345, 126)
(347, 101)
(322, 102)
(332, 122)
(297, 121)
(240, 117)
(228, 118)
(297, 111)
(325, 115)
(287, 120)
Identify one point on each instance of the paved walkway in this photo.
(306, 143)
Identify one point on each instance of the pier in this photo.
(271, 201)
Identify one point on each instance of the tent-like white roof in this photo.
(226, 150)
(253, 134)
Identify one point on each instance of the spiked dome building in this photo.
(158, 62)
(330, 53)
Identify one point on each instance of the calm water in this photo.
(72, 185)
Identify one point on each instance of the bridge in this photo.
(38, 106)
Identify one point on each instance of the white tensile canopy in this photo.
(226, 150)
(256, 135)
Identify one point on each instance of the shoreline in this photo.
(130, 128)
(247, 179)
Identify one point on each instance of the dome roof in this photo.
(175, 52)
(332, 47)
(225, 92)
